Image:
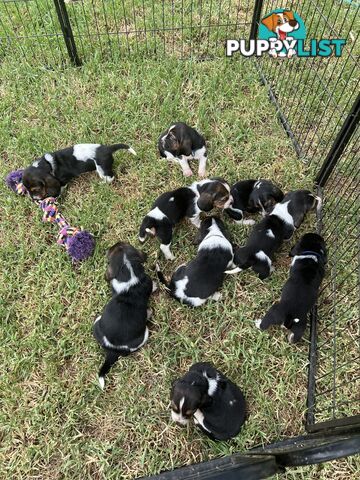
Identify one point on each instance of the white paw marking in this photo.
(102, 382)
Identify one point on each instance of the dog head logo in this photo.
(283, 26)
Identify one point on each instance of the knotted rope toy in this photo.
(79, 243)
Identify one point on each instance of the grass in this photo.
(55, 423)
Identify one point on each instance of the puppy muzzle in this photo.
(178, 418)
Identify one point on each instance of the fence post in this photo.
(67, 32)
(256, 19)
(340, 143)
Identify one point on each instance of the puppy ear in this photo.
(242, 258)
(269, 21)
(262, 269)
(197, 239)
(205, 400)
(205, 202)
(294, 251)
(277, 194)
(52, 185)
(110, 273)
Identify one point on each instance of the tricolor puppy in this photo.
(300, 292)
(217, 405)
(251, 196)
(122, 327)
(180, 143)
(282, 24)
(200, 280)
(171, 207)
(268, 235)
(48, 174)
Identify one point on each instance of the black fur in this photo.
(224, 410)
(196, 282)
(268, 235)
(124, 319)
(171, 207)
(251, 196)
(300, 292)
(54, 170)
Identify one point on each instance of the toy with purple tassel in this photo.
(79, 243)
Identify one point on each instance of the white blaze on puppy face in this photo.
(178, 417)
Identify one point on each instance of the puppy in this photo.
(180, 143)
(121, 329)
(281, 24)
(251, 196)
(217, 405)
(48, 174)
(300, 292)
(199, 281)
(268, 235)
(189, 202)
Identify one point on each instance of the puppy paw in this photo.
(142, 239)
(233, 271)
(291, 337)
(154, 287)
(216, 296)
(258, 322)
(248, 221)
(202, 173)
(102, 382)
(188, 173)
(108, 179)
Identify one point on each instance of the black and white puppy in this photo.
(189, 202)
(48, 174)
(122, 327)
(251, 196)
(300, 292)
(180, 143)
(217, 405)
(268, 235)
(200, 280)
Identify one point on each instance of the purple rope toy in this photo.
(79, 243)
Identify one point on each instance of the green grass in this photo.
(55, 423)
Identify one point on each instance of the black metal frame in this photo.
(67, 32)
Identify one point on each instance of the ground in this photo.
(55, 421)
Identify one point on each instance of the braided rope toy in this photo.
(79, 243)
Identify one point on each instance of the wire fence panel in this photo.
(30, 31)
(315, 94)
(111, 29)
(337, 373)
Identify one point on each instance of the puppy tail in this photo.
(121, 146)
(111, 358)
(161, 277)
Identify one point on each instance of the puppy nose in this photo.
(293, 23)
